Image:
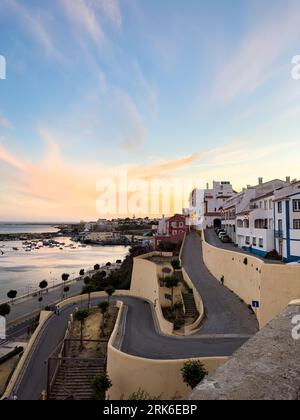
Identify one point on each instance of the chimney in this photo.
(207, 186)
(260, 180)
(288, 179)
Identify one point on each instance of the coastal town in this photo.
(149, 203)
(259, 225)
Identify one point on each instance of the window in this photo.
(279, 207)
(261, 242)
(174, 224)
(296, 224)
(247, 240)
(266, 205)
(271, 224)
(181, 224)
(296, 205)
(174, 232)
(260, 204)
(280, 225)
(270, 204)
(254, 241)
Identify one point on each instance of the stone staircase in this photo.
(190, 305)
(74, 379)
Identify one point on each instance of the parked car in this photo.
(294, 263)
(226, 239)
(220, 230)
(222, 234)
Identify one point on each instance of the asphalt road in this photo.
(225, 313)
(228, 324)
(141, 339)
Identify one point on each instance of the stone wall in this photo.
(267, 367)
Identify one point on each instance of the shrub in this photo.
(100, 385)
(176, 264)
(193, 372)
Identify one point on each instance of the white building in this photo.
(205, 205)
(249, 217)
(287, 222)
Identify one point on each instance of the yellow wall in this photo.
(144, 284)
(273, 285)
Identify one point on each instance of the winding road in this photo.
(227, 325)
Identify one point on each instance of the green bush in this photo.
(100, 385)
(193, 372)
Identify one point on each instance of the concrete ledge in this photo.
(267, 367)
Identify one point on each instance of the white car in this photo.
(295, 263)
(222, 234)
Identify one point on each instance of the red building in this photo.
(171, 230)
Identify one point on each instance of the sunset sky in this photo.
(160, 88)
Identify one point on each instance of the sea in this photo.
(23, 270)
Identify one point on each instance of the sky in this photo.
(157, 89)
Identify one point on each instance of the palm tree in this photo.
(171, 282)
(109, 290)
(88, 289)
(103, 306)
(81, 316)
(12, 294)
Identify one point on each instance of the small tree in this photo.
(103, 306)
(81, 316)
(4, 309)
(66, 290)
(108, 264)
(12, 294)
(96, 267)
(87, 280)
(81, 272)
(101, 384)
(65, 277)
(176, 264)
(193, 372)
(43, 285)
(109, 290)
(88, 289)
(171, 282)
(40, 300)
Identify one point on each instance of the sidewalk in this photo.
(212, 239)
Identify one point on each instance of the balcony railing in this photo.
(278, 234)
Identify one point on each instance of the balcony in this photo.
(279, 234)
